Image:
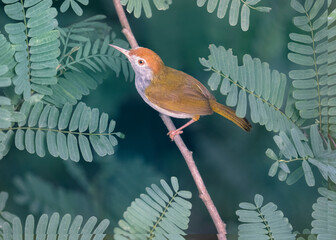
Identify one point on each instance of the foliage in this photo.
(35, 40)
(66, 134)
(157, 214)
(45, 70)
(252, 82)
(11, 226)
(123, 178)
(223, 6)
(136, 6)
(74, 5)
(324, 224)
(85, 57)
(295, 148)
(314, 91)
(263, 222)
(5, 217)
(57, 67)
(44, 197)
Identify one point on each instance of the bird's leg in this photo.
(179, 131)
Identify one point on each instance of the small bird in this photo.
(172, 92)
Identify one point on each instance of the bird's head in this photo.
(144, 61)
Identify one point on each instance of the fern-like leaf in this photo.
(5, 217)
(64, 134)
(234, 10)
(262, 222)
(324, 224)
(295, 149)
(42, 196)
(56, 227)
(7, 64)
(73, 85)
(36, 44)
(252, 82)
(74, 5)
(136, 6)
(159, 214)
(332, 73)
(310, 54)
(85, 59)
(8, 115)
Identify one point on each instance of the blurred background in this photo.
(233, 163)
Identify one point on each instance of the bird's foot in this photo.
(172, 134)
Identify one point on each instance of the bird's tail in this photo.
(231, 115)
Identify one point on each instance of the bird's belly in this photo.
(141, 85)
(167, 112)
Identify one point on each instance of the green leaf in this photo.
(295, 176)
(65, 116)
(297, 6)
(65, 6)
(175, 184)
(234, 12)
(76, 8)
(245, 17)
(270, 153)
(273, 169)
(316, 141)
(308, 174)
(258, 200)
(85, 148)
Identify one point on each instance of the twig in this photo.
(126, 28)
(203, 193)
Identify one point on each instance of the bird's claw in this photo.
(172, 134)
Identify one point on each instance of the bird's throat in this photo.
(141, 83)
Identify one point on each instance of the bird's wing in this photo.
(180, 93)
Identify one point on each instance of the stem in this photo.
(203, 193)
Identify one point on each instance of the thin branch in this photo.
(127, 31)
(203, 193)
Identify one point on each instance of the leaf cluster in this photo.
(236, 8)
(162, 213)
(297, 148)
(262, 222)
(67, 133)
(252, 84)
(312, 52)
(136, 6)
(74, 5)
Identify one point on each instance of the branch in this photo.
(203, 193)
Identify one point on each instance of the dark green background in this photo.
(232, 162)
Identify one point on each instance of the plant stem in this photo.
(203, 193)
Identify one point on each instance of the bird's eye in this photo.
(141, 62)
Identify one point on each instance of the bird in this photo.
(173, 92)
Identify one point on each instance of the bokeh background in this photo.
(233, 163)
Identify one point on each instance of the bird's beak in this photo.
(123, 51)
